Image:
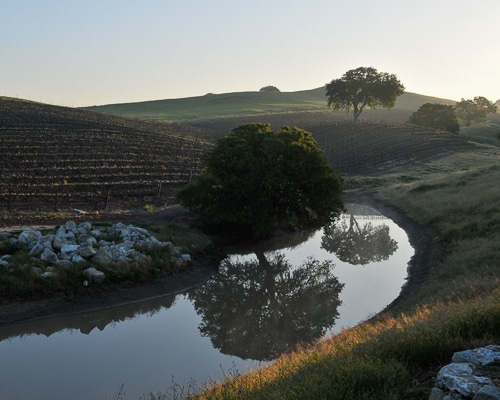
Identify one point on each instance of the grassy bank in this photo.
(396, 354)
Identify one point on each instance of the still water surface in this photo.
(263, 301)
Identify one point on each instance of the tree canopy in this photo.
(362, 88)
(269, 89)
(474, 111)
(260, 181)
(437, 116)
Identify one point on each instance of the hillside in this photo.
(252, 103)
(59, 158)
(62, 158)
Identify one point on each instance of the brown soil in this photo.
(202, 268)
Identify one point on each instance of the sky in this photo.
(81, 53)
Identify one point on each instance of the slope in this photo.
(254, 103)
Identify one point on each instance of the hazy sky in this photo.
(86, 52)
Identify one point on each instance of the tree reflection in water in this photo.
(358, 245)
(262, 308)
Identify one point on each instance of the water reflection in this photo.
(358, 244)
(259, 309)
(88, 322)
(266, 299)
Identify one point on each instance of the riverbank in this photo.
(203, 266)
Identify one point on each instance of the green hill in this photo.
(212, 106)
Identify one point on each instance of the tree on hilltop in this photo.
(269, 89)
(362, 88)
(437, 116)
(474, 111)
(259, 181)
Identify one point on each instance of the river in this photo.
(263, 301)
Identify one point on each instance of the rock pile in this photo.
(72, 244)
(461, 379)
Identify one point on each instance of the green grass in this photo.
(212, 106)
(487, 133)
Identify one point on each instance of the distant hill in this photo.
(224, 105)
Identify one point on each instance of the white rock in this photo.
(479, 356)
(69, 248)
(95, 232)
(27, 237)
(36, 250)
(458, 377)
(71, 226)
(94, 274)
(102, 257)
(77, 258)
(186, 257)
(49, 256)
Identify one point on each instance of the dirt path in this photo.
(203, 267)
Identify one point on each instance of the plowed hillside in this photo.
(364, 148)
(57, 158)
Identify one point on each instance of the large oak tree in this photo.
(261, 181)
(362, 88)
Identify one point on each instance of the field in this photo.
(57, 158)
(60, 159)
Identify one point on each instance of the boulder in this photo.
(480, 356)
(36, 250)
(27, 237)
(462, 379)
(69, 248)
(71, 227)
(86, 250)
(102, 257)
(488, 392)
(93, 274)
(58, 242)
(459, 378)
(49, 256)
(77, 258)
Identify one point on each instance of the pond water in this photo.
(263, 301)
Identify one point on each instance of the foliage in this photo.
(363, 88)
(261, 181)
(437, 116)
(269, 89)
(474, 111)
